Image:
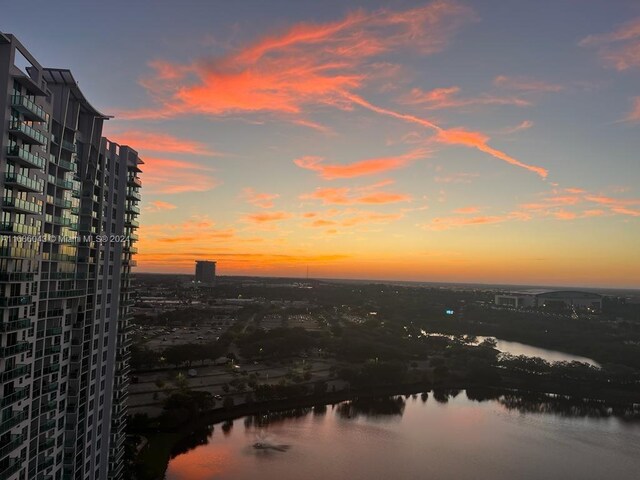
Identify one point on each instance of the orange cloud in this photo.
(344, 196)
(161, 142)
(446, 223)
(267, 217)
(162, 175)
(634, 114)
(307, 64)
(370, 166)
(262, 200)
(524, 125)
(466, 210)
(459, 136)
(619, 49)
(524, 84)
(451, 136)
(442, 98)
(160, 206)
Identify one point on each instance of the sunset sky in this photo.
(471, 141)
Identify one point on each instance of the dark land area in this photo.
(203, 354)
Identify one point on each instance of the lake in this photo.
(441, 436)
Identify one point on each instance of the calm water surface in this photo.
(416, 439)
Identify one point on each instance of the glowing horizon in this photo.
(443, 141)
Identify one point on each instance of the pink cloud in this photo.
(346, 196)
(160, 206)
(162, 175)
(262, 200)
(442, 98)
(267, 217)
(524, 84)
(360, 168)
(161, 142)
(619, 49)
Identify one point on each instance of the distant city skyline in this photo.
(447, 141)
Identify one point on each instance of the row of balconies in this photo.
(27, 133)
(10, 399)
(15, 419)
(16, 372)
(20, 205)
(13, 325)
(31, 110)
(18, 252)
(25, 157)
(18, 228)
(15, 349)
(22, 182)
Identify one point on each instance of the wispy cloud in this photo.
(161, 142)
(524, 125)
(360, 168)
(347, 196)
(162, 175)
(634, 114)
(525, 84)
(262, 200)
(267, 217)
(443, 98)
(160, 206)
(619, 49)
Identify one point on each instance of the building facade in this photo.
(205, 272)
(552, 299)
(67, 230)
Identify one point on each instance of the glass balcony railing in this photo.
(49, 387)
(66, 165)
(51, 368)
(16, 372)
(133, 195)
(54, 330)
(134, 181)
(13, 420)
(14, 442)
(21, 205)
(132, 209)
(14, 465)
(47, 425)
(17, 277)
(15, 301)
(27, 133)
(60, 182)
(26, 183)
(18, 228)
(13, 397)
(14, 325)
(18, 252)
(52, 350)
(49, 442)
(26, 157)
(16, 349)
(29, 108)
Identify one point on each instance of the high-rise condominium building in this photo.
(67, 228)
(205, 272)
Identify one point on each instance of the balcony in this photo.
(19, 394)
(16, 301)
(61, 182)
(27, 133)
(18, 228)
(21, 206)
(48, 407)
(29, 108)
(15, 464)
(14, 325)
(134, 181)
(14, 420)
(24, 183)
(14, 442)
(52, 350)
(132, 209)
(16, 372)
(131, 222)
(23, 156)
(65, 165)
(18, 252)
(19, 347)
(53, 331)
(69, 146)
(66, 294)
(48, 443)
(49, 387)
(17, 277)
(133, 195)
(51, 368)
(47, 425)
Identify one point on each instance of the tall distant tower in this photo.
(205, 272)
(67, 228)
